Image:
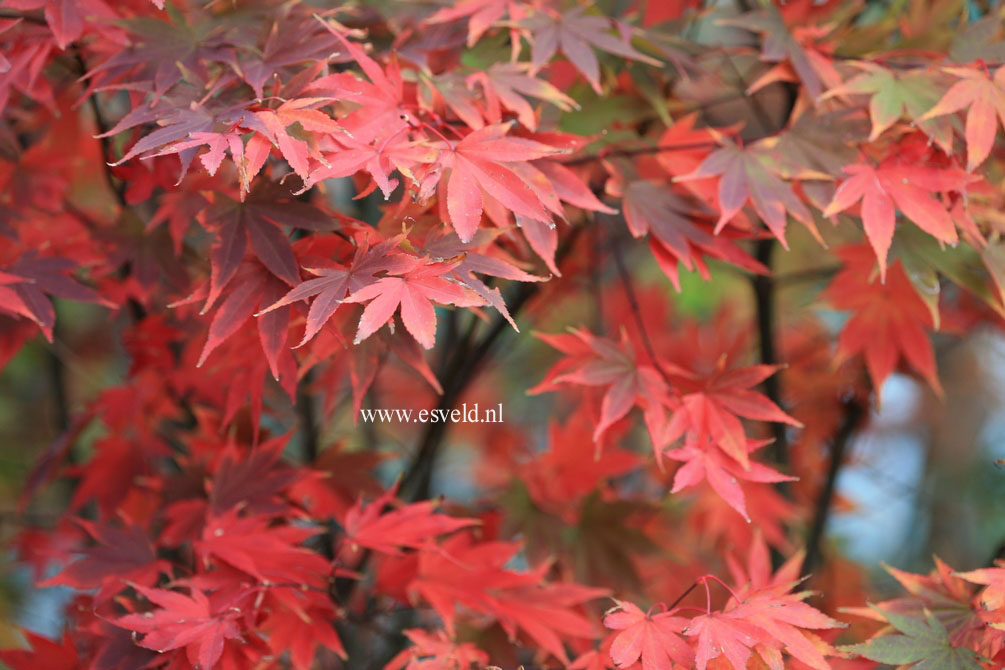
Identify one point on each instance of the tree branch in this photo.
(633, 303)
(853, 413)
(764, 301)
(31, 17)
(307, 419)
(608, 152)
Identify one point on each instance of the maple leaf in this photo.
(719, 635)
(304, 113)
(441, 243)
(721, 473)
(410, 526)
(746, 174)
(25, 284)
(506, 85)
(544, 611)
(992, 598)
(655, 638)
(985, 95)
(481, 14)
(888, 319)
(254, 481)
(254, 287)
(380, 100)
(560, 476)
(334, 283)
(782, 616)
(65, 18)
(925, 644)
(779, 44)
(482, 165)
(164, 54)
(191, 622)
(462, 572)
(429, 651)
(393, 152)
(599, 361)
(179, 119)
(43, 653)
(258, 221)
(121, 554)
(711, 407)
(895, 95)
(577, 35)
(270, 554)
(413, 292)
(677, 235)
(894, 185)
(301, 631)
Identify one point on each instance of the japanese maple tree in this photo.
(682, 246)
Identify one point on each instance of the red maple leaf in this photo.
(577, 35)
(121, 554)
(746, 174)
(599, 361)
(711, 407)
(43, 653)
(410, 526)
(889, 319)
(653, 638)
(334, 282)
(482, 165)
(301, 631)
(380, 112)
(985, 95)
(894, 185)
(413, 292)
(192, 622)
(464, 573)
(678, 234)
(431, 651)
(722, 473)
(268, 553)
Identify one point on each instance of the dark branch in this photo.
(30, 17)
(764, 301)
(633, 304)
(306, 418)
(638, 151)
(853, 413)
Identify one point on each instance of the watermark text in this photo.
(462, 414)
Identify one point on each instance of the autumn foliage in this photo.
(260, 217)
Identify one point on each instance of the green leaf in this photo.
(925, 643)
(923, 256)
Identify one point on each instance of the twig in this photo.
(764, 299)
(117, 187)
(853, 413)
(633, 304)
(30, 17)
(638, 151)
(307, 420)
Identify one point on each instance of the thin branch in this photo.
(117, 187)
(764, 300)
(854, 410)
(307, 419)
(808, 275)
(30, 17)
(633, 304)
(57, 380)
(609, 152)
